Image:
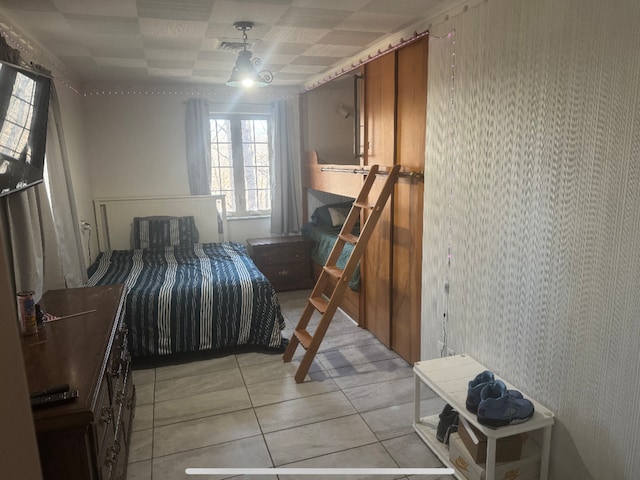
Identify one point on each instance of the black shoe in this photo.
(448, 424)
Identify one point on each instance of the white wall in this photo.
(533, 186)
(327, 130)
(138, 143)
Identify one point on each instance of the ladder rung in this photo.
(319, 303)
(335, 272)
(311, 342)
(368, 206)
(349, 238)
(304, 337)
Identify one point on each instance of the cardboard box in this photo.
(527, 468)
(508, 449)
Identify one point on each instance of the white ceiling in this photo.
(98, 41)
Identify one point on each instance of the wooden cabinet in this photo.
(395, 98)
(285, 261)
(88, 438)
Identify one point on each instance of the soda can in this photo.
(27, 313)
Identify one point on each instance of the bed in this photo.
(324, 235)
(322, 185)
(188, 290)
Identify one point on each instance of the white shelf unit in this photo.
(449, 378)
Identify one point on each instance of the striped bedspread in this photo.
(192, 298)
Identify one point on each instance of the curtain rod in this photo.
(363, 171)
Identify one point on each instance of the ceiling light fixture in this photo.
(244, 73)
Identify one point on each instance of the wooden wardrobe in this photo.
(395, 101)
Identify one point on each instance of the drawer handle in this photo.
(120, 397)
(106, 415)
(115, 369)
(112, 453)
(284, 273)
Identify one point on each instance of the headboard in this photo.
(114, 217)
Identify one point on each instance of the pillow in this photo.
(321, 215)
(338, 215)
(160, 232)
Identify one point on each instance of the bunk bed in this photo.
(188, 290)
(321, 228)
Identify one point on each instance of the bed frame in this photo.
(338, 180)
(114, 217)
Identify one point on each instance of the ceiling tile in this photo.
(111, 8)
(30, 6)
(103, 24)
(302, 69)
(349, 37)
(169, 72)
(307, 60)
(67, 49)
(194, 10)
(171, 43)
(415, 8)
(311, 17)
(115, 42)
(116, 52)
(375, 22)
(173, 28)
(341, 51)
(283, 34)
(226, 12)
(171, 64)
(349, 5)
(280, 48)
(169, 54)
(121, 62)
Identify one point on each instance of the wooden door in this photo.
(408, 203)
(379, 98)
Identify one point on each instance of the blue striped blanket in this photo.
(192, 298)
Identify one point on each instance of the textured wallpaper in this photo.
(533, 192)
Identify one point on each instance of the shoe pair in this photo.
(495, 405)
(448, 424)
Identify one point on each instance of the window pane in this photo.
(261, 131)
(222, 180)
(262, 155)
(252, 153)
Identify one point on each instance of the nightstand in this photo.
(285, 261)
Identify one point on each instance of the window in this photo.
(240, 162)
(14, 137)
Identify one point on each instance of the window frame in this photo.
(238, 163)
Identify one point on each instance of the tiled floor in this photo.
(354, 410)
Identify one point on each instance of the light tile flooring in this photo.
(355, 409)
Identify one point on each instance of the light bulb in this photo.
(247, 82)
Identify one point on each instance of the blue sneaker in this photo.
(499, 407)
(475, 387)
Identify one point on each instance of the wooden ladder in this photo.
(316, 301)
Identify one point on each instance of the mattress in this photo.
(324, 238)
(201, 297)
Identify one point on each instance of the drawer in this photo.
(104, 416)
(282, 254)
(112, 455)
(119, 354)
(289, 277)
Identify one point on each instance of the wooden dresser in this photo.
(285, 261)
(87, 438)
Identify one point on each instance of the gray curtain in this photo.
(43, 224)
(198, 140)
(63, 204)
(285, 187)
